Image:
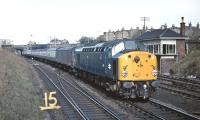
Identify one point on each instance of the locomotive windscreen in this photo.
(133, 45)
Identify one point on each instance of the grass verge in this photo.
(19, 99)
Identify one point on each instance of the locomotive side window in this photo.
(102, 49)
(96, 49)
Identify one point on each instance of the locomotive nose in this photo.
(137, 66)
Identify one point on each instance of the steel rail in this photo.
(107, 110)
(138, 107)
(171, 107)
(71, 102)
(146, 111)
(194, 81)
(180, 81)
(81, 90)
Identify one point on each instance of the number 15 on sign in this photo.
(50, 102)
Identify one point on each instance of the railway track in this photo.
(191, 82)
(182, 92)
(68, 108)
(80, 108)
(189, 90)
(160, 110)
(183, 84)
(157, 110)
(173, 111)
(81, 104)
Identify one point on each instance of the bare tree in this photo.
(100, 38)
(86, 40)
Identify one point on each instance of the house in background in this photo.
(167, 45)
(193, 33)
(5, 42)
(123, 34)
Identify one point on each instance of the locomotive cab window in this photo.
(130, 45)
(118, 48)
(133, 45)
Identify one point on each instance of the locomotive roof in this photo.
(65, 48)
(100, 47)
(51, 48)
(114, 42)
(108, 43)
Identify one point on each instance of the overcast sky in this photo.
(71, 19)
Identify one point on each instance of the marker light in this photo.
(154, 73)
(125, 73)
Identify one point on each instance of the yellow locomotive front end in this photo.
(136, 71)
(137, 66)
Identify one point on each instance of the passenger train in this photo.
(120, 66)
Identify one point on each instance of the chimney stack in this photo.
(190, 25)
(173, 26)
(165, 26)
(182, 29)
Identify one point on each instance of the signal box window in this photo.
(156, 49)
(169, 49)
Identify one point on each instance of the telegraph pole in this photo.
(144, 19)
(31, 40)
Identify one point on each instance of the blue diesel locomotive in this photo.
(121, 66)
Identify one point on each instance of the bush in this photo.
(189, 65)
